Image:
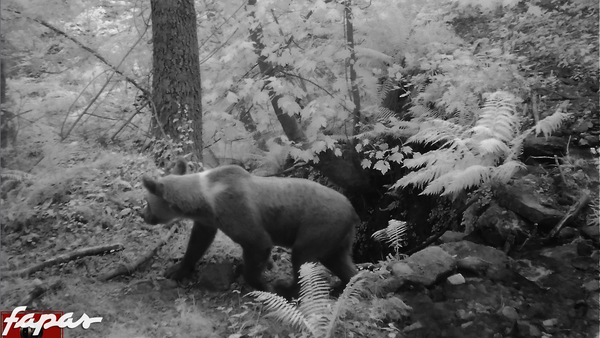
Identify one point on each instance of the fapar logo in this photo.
(47, 324)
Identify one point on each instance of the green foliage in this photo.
(468, 157)
(316, 314)
(309, 58)
(562, 31)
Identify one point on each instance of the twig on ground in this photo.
(96, 250)
(562, 174)
(127, 269)
(573, 211)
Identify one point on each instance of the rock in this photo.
(424, 267)
(400, 269)
(530, 271)
(564, 252)
(456, 279)
(592, 140)
(584, 263)
(510, 313)
(413, 326)
(592, 232)
(522, 198)
(464, 249)
(595, 300)
(585, 248)
(526, 328)
(452, 236)
(544, 147)
(548, 323)
(381, 287)
(473, 265)
(466, 325)
(593, 285)
(566, 233)
(464, 315)
(582, 126)
(496, 224)
(593, 315)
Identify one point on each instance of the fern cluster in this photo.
(467, 157)
(316, 313)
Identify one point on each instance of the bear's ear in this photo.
(180, 167)
(154, 187)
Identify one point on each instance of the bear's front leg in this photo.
(200, 239)
(178, 272)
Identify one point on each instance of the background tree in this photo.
(176, 85)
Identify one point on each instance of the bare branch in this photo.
(92, 251)
(86, 48)
(127, 269)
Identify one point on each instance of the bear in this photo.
(316, 222)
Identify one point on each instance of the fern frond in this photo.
(16, 175)
(422, 177)
(493, 146)
(471, 157)
(422, 112)
(394, 234)
(351, 293)
(387, 86)
(314, 290)
(384, 114)
(472, 176)
(281, 309)
(548, 125)
(435, 131)
(438, 185)
(498, 116)
(504, 172)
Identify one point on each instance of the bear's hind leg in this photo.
(341, 265)
(299, 257)
(255, 262)
(200, 239)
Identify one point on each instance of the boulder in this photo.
(522, 197)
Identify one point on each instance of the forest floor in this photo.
(94, 201)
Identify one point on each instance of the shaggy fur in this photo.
(316, 222)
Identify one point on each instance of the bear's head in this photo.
(158, 208)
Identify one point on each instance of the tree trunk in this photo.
(345, 170)
(290, 125)
(350, 66)
(176, 83)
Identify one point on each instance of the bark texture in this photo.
(354, 93)
(176, 84)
